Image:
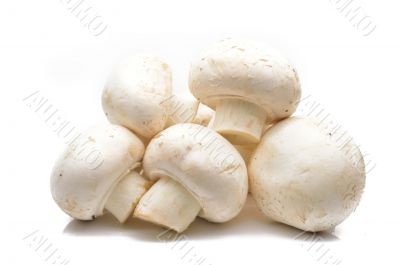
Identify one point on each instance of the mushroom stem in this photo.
(126, 195)
(239, 121)
(169, 204)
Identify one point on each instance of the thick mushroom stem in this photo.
(239, 121)
(126, 195)
(169, 204)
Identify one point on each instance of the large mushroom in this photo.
(198, 172)
(300, 176)
(247, 84)
(83, 191)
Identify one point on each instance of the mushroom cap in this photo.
(81, 190)
(204, 163)
(300, 176)
(134, 92)
(248, 71)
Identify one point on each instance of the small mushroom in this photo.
(83, 192)
(247, 85)
(198, 172)
(134, 93)
(301, 176)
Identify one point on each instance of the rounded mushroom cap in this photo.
(248, 71)
(80, 189)
(299, 175)
(203, 162)
(134, 92)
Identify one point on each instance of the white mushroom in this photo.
(299, 175)
(134, 92)
(204, 115)
(83, 191)
(247, 84)
(200, 173)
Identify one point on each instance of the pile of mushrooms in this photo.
(169, 158)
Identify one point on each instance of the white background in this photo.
(45, 48)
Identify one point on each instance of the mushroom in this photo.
(204, 115)
(247, 85)
(198, 172)
(134, 92)
(300, 176)
(83, 192)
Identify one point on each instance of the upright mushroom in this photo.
(198, 173)
(247, 84)
(83, 192)
(300, 175)
(134, 93)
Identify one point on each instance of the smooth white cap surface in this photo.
(301, 176)
(134, 93)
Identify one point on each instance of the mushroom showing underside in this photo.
(115, 184)
(247, 84)
(301, 177)
(134, 93)
(198, 172)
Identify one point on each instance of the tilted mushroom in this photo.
(134, 92)
(83, 192)
(300, 176)
(198, 172)
(247, 84)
